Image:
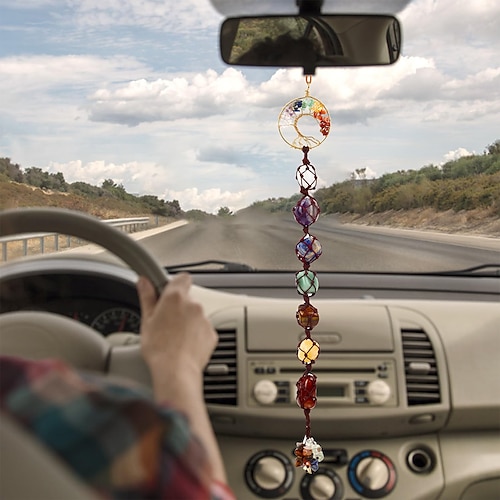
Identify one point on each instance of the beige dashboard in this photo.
(408, 398)
(408, 389)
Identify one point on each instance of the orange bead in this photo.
(307, 316)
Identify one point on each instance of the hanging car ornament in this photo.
(304, 123)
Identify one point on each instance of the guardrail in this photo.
(130, 225)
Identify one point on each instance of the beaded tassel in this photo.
(306, 212)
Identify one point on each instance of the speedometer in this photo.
(117, 319)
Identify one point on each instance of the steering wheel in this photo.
(40, 334)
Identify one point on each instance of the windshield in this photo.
(125, 110)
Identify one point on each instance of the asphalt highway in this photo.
(267, 241)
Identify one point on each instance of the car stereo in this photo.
(352, 382)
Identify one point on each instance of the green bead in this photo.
(307, 283)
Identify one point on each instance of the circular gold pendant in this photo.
(304, 121)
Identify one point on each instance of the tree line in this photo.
(467, 183)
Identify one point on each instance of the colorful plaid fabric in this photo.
(111, 434)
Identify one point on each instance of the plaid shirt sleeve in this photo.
(111, 434)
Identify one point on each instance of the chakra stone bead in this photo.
(303, 456)
(306, 177)
(308, 351)
(306, 211)
(308, 249)
(306, 391)
(307, 283)
(307, 316)
(308, 455)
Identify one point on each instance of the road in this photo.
(267, 241)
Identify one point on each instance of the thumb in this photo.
(147, 296)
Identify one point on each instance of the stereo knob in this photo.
(265, 392)
(323, 485)
(269, 474)
(378, 392)
(372, 474)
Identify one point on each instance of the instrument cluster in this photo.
(105, 305)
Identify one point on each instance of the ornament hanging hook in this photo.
(308, 82)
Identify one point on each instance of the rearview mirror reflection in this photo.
(311, 41)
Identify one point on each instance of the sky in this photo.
(135, 91)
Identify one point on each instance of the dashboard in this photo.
(408, 387)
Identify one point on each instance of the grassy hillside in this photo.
(468, 187)
(13, 195)
(34, 187)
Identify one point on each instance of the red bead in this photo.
(306, 391)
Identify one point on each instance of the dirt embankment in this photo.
(478, 222)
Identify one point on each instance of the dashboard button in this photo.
(360, 383)
(361, 399)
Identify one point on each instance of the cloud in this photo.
(199, 95)
(209, 200)
(456, 154)
(443, 21)
(485, 83)
(460, 35)
(355, 94)
(28, 4)
(139, 177)
(23, 73)
(45, 88)
(152, 14)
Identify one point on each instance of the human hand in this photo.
(175, 333)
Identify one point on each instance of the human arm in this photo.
(177, 341)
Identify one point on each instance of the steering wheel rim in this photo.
(38, 335)
(80, 225)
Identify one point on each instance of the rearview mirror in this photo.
(311, 41)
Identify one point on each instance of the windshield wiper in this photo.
(225, 266)
(482, 270)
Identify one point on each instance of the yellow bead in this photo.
(308, 351)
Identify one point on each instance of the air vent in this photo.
(220, 376)
(422, 380)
